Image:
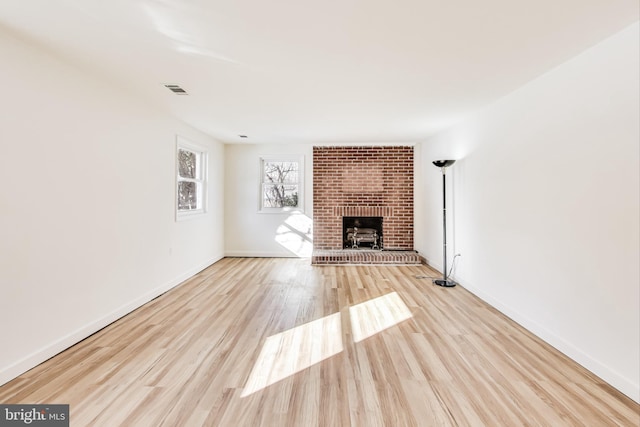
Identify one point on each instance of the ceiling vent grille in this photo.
(176, 89)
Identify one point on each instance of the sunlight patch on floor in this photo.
(376, 315)
(296, 349)
(293, 350)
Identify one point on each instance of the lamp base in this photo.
(444, 283)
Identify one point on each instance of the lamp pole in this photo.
(445, 282)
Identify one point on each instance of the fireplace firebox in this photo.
(362, 232)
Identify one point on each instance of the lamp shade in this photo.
(443, 163)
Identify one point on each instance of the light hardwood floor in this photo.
(278, 342)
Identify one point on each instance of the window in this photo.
(281, 184)
(191, 179)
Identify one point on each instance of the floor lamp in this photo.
(443, 165)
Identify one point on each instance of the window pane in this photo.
(279, 196)
(187, 196)
(187, 164)
(284, 172)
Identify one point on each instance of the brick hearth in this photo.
(362, 181)
(364, 256)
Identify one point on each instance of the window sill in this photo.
(186, 215)
(280, 210)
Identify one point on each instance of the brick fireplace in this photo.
(362, 182)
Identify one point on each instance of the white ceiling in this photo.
(287, 71)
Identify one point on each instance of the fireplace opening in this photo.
(362, 232)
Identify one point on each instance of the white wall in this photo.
(87, 229)
(546, 207)
(249, 232)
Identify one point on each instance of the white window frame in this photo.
(300, 183)
(202, 175)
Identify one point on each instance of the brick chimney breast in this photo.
(363, 181)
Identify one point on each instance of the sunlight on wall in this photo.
(296, 235)
(373, 316)
(296, 349)
(293, 350)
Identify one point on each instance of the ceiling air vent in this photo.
(176, 89)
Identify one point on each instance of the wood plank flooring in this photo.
(278, 342)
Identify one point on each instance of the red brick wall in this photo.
(363, 181)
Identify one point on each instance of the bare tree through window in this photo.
(187, 196)
(280, 184)
(191, 178)
(187, 164)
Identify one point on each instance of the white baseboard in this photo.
(252, 254)
(34, 359)
(624, 385)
